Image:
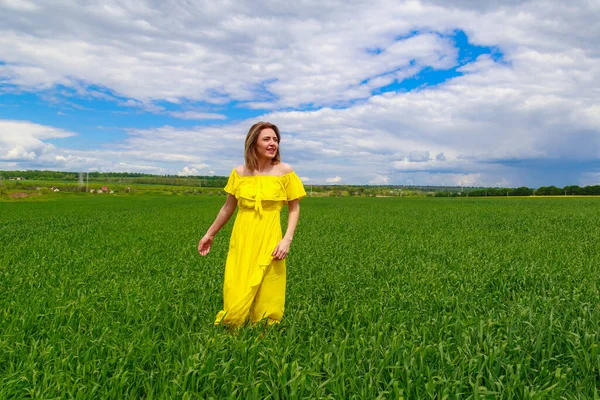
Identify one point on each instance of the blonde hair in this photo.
(250, 157)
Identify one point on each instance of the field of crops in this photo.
(106, 297)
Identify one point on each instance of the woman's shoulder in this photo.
(240, 170)
(284, 168)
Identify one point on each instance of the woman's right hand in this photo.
(204, 245)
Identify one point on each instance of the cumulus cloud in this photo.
(469, 180)
(193, 169)
(379, 180)
(530, 117)
(336, 179)
(150, 52)
(24, 141)
(26, 145)
(188, 171)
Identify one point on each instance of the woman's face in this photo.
(267, 143)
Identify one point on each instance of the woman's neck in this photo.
(264, 164)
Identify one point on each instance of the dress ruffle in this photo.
(256, 189)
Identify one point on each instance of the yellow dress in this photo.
(254, 285)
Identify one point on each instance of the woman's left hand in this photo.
(282, 249)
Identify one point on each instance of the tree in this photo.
(572, 190)
(522, 191)
(549, 191)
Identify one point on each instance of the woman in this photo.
(254, 285)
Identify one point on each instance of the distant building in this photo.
(16, 178)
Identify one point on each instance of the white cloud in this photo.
(196, 115)
(23, 141)
(200, 166)
(336, 179)
(147, 52)
(188, 171)
(500, 122)
(193, 169)
(26, 144)
(331, 152)
(379, 180)
(469, 180)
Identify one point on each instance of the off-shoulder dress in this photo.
(254, 285)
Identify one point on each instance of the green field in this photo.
(106, 297)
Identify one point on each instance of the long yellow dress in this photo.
(254, 285)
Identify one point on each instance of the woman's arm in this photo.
(222, 218)
(283, 247)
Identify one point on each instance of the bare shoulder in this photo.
(284, 168)
(241, 170)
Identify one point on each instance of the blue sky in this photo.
(384, 92)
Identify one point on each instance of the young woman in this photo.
(254, 286)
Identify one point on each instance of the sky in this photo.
(431, 92)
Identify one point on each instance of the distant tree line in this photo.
(335, 190)
(541, 191)
(125, 177)
(448, 191)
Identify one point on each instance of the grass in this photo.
(106, 297)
